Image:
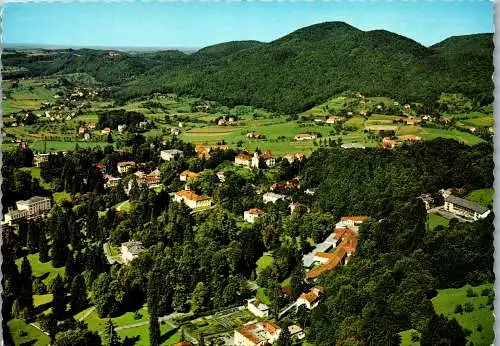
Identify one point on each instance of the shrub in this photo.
(479, 328)
(415, 337)
(137, 315)
(468, 307)
(486, 292)
(471, 293)
(459, 309)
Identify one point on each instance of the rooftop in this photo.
(190, 195)
(478, 208)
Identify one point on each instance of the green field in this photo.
(96, 323)
(139, 336)
(25, 334)
(39, 269)
(483, 196)
(445, 303)
(446, 300)
(436, 220)
(482, 121)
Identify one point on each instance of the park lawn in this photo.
(40, 299)
(94, 322)
(139, 336)
(437, 220)
(35, 173)
(59, 197)
(33, 337)
(264, 261)
(447, 299)
(406, 338)
(483, 196)
(41, 269)
(39, 145)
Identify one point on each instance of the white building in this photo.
(192, 200)
(121, 128)
(130, 250)
(252, 215)
(465, 208)
(35, 205)
(310, 299)
(272, 197)
(258, 308)
(170, 154)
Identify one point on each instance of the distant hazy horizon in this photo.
(203, 23)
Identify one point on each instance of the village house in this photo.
(192, 200)
(175, 131)
(304, 136)
(294, 157)
(351, 221)
(388, 143)
(100, 167)
(297, 207)
(252, 215)
(125, 166)
(267, 157)
(81, 130)
(106, 131)
(311, 298)
(170, 154)
(287, 184)
(258, 308)
(39, 158)
(188, 175)
(257, 334)
(183, 343)
(221, 122)
(319, 120)
(91, 126)
(332, 119)
(253, 134)
(145, 180)
(272, 197)
(413, 138)
(296, 332)
(243, 159)
(86, 136)
(446, 192)
(111, 181)
(363, 112)
(121, 128)
(131, 250)
(465, 208)
(143, 124)
(412, 121)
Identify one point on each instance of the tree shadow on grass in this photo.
(168, 334)
(42, 307)
(131, 341)
(29, 343)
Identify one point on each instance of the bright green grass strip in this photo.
(33, 337)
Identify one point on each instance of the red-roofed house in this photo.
(184, 176)
(311, 298)
(192, 200)
(252, 214)
(257, 334)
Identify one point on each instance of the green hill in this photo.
(294, 72)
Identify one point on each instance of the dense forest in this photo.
(203, 261)
(292, 73)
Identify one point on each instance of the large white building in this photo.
(465, 208)
(252, 215)
(257, 334)
(258, 308)
(35, 205)
(192, 200)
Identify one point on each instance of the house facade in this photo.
(186, 175)
(192, 200)
(252, 215)
(35, 206)
(125, 166)
(170, 154)
(310, 299)
(131, 250)
(258, 308)
(465, 208)
(257, 334)
(272, 197)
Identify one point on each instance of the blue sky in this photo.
(202, 23)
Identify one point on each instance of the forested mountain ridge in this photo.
(294, 72)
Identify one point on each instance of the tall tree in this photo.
(110, 337)
(26, 294)
(154, 329)
(78, 298)
(58, 298)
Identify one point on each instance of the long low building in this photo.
(192, 200)
(257, 334)
(465, 208)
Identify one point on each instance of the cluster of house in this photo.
(203, 151)
(255, 135)
(29, 209)
(252, 161)
(224, 121)
(151, 179)
(344, 240)
(332, 119)
(287, 184)
(84, 130)
(389, 143)
(257, 334)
